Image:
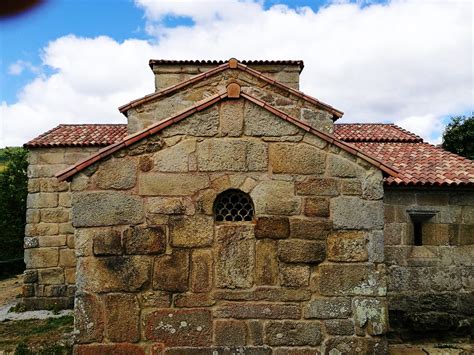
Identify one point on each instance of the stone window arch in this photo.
(233, 205)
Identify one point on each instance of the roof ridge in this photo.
(91, 124)
(230, 64)
(233, 91)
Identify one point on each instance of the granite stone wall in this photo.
(157, 274)
(430, 286)
(49, 279)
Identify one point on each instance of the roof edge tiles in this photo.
(230, 64)
(230, 93)
(409, 136)
(153, 62)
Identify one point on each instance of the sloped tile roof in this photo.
(374, 132)
(80, 135)
(421, 164)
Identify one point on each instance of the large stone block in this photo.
(266, 262)
(201, 270)
(230, 332)
(296, 158)
(67, 258)
(304, 228)
(104, 242)
(144, 240)
(235, 256)
(328, 308)
(88, 318)
(170, 205)
(276, 198)
(371, 313)
(341, 167)
(41, 257)
(260, 122)
(92, 209)
(42, 200)
(118, 174)
(355, 345)
(258, 311)
(317, 186)
(272, 227)
(293, 275)
(293, 333)
(54, 215)
(175, 158)
(355, 213)
(348, 246)
(109, 349)
(112, 274)
(40, 229)
(339, 326)
(190, 232)
(222, 154)
(171, 272)
(53, 276)
(351, 279)
(301, 251)
(257, 156)
(158, 184)
(180, 327)
(232, 118)
(202, 124)
(316, 207)
(122, 315)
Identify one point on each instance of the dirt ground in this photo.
(10, 290)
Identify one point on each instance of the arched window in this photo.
(233, 206)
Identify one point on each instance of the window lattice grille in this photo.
(233, 206)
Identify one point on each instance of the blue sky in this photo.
(363, 57)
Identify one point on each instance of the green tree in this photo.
(458, 137)
(13, 192)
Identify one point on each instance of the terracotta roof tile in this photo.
(421, 164)
(374, 132)
(80, 135)
(153, 62)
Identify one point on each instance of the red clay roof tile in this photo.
(374, 132)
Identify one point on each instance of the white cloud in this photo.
(20, 66)
(408, 62)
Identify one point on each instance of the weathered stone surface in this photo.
(339, 326)
(351, 279)
(170, 205)
(341, 167)
(276, 198)
(181, 327)
(290, 158)
(293, 333)
(119, 174)
(295, 351)
(70, 275)
(144, 240)
(266, 263)
(371, 313)
(376, 247)
(190, 232)
(355, 345)
(316, 207)
(158, 184)
(109, 349)
(52, 241)
(201, 271)
(317, 186)
(155, 299)
(230, 332)
(309, 228)
(175, 158)
(235, 256)
(255, 332)
(222, 154)
(257, 156)
(272, 227)
(54, 215)
(220, 350)
(171, 272)
(88, 318)
(145, 163)
(67, 258)
(193, 300)
(372, 187)
(354, 213)
(106, 242)
(301, 251)
(30, 242)
(122, 315)
(270, 294)
(258, 310)
(348, 246)
(294, 275)
(114, 273)
(260, 122)
(232, 118)
(202, 124)
(30, 276)
(40, 229)
(41, 257)
(327, 308)
(92, 209)
(54, 276)
(351, 187)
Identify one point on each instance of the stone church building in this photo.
(231, 215)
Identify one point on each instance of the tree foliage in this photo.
(458, 137)
(13, 192)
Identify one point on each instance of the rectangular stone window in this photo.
(419, 218)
